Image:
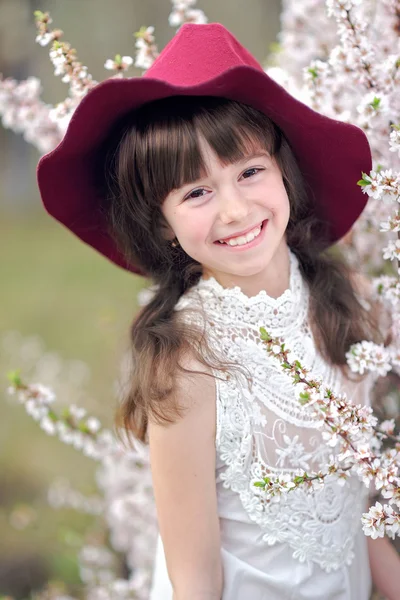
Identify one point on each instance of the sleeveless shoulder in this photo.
(262, 428)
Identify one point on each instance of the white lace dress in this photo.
(307, 546)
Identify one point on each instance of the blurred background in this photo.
(65, 311)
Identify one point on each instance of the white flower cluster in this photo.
(63, 57)
(67, 378)
(66, 65)
(22, 111)
(62, 495)
(119, 63)
(97, 565)
(134, 588)
(392, 250)
(126, 485)
(388, 287)
(146, 48)
(367, 356)
(126, 503)
(340, 8)
(338, 62)
(73, 427)
(382, 185)
(380, 520)
(394, 143)
(182, 12)
(302, 37)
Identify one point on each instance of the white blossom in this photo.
(119, 63)
(44, 39)
(366, 355)
(93, 424)
(373, 521)
(183, 13)
(394, 141)
(387, 426)
(48, 425)
(392, 250)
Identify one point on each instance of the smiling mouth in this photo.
(242, 240)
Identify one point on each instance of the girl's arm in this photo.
(182, 457)
(385, 567)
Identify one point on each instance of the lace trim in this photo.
(231, 305)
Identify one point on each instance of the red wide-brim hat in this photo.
(202, 60)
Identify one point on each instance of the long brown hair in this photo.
(156, 150)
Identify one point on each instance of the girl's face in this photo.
(233, 201)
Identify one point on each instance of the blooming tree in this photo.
(331, 55)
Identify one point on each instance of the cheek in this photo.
(276, 199)
(195, 227)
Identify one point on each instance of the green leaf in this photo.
(259, 484)
(375, 103)
(298, 479)
(141, 31)
(264, 334)
(275, 47)
(52, 415)
(14, 377)
(65, 413)
(313, 72)
(82, 427)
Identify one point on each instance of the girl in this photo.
(207, 177)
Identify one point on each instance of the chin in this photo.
(248, 271)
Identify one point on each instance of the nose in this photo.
(233, 206)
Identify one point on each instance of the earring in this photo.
(174, 243)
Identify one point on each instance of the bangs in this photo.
(168, 132)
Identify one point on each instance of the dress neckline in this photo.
(236, 291)
(231, 305)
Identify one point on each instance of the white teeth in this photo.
(243, 239)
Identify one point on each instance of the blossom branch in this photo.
(355, 427)
(183, 12)
(22, 111)
(63, 57)
(146, 48)
(72, 426)
(352, 34)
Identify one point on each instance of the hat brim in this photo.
(331, 154)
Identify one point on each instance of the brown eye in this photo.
(194, 194)
(251, 172)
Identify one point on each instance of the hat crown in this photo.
(198, 53)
